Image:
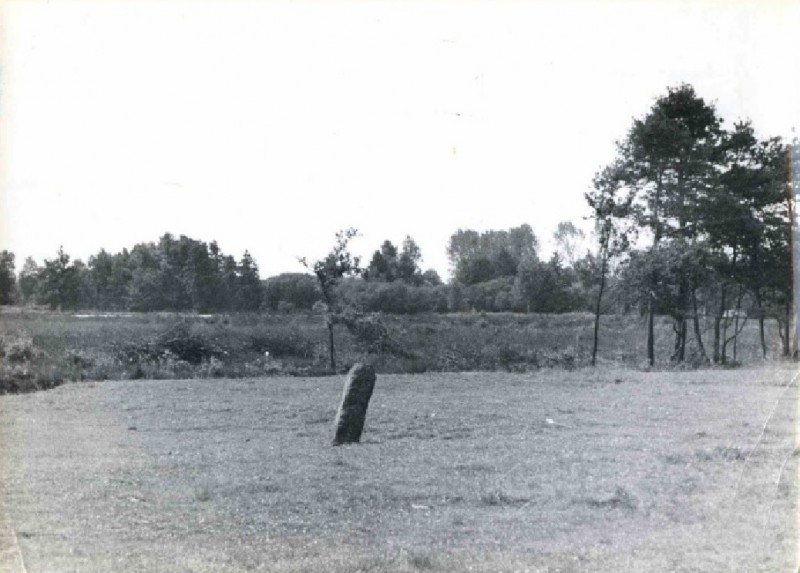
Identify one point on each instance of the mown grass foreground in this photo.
(603, 471)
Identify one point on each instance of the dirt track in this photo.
(556, 471)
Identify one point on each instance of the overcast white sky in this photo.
(269, 125)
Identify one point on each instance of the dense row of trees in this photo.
(698, 219)
(174, 274)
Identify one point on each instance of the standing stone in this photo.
(353, 409)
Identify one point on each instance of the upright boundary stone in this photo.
(352, 411)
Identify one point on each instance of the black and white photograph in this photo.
(378, 286)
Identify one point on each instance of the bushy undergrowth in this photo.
(24, 367)
(41, 349)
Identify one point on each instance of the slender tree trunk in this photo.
(761, 324)
(787, 344)
(676, 346)
(723, 358)
(680, 334)
(784, 325)
(726, 340)
(330, 345)
(328, 320)
(696, 321)
(717, 324)
(679, 328)
(683, 299)
(679, 347)
(723, 308)
(682, 348)
(656, 224)
(651, 358)
(782, 333)
(736, 328)
(597, 311)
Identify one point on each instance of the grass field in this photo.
(603, 470)
(41, 349)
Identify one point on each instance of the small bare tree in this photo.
(329, 271)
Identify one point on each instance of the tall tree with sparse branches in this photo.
(610, 207)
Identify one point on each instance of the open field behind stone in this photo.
(602, 471)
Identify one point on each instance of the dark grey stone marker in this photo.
(353, 409)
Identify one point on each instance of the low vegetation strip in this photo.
(42, 349)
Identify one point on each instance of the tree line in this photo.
(175, 274)
(692, 220)
(493, 271)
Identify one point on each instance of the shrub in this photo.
(295, 289)
(19, 350)
(24, 367)
(187, 345)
